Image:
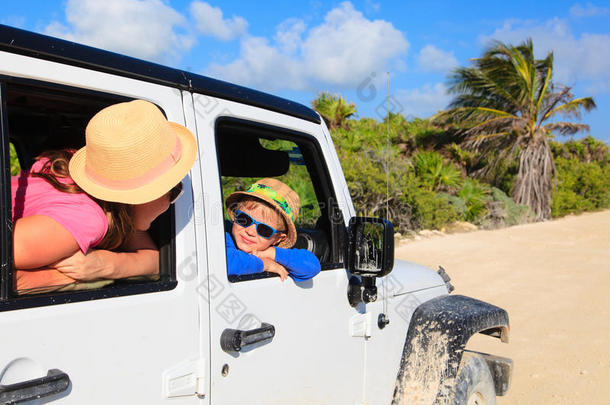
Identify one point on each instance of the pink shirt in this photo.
(78, 213)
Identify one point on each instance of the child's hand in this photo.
(274, 267)
(268, 253)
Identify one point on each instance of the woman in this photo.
(104, 196)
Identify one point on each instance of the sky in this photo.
(381, 55)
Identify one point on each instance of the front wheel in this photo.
(474, 384)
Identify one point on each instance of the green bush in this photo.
(474, 195)
(429, 136)
(458, 204)
(566, 201)
(365, 173)
(463, 158)
(410, 203)
(503, 211)
(433, 210)
(587, 150)
(435, 174)
(580, 186)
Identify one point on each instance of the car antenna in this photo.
(387, 161)
(387, 197)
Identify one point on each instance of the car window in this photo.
(40, 117)
(249, 152)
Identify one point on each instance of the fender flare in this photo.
(438, 332)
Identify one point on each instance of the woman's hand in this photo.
(274, 267)
(96, 264)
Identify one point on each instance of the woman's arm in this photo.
(138, 257)
(39, 240)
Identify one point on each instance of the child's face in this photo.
(247, 239)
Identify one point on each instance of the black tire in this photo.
(474, 384)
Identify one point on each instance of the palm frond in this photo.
(555, 96)
(463, 114)
(483, 84)
(566, 128)
(572, 108)
(546, 66)
(483, 141)
(498, 151)
(495, 124)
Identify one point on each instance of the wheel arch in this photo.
(439, 330)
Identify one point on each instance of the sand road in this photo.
(553, 278)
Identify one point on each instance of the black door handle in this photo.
(56, 381)
(233, 340)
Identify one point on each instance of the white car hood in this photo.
(408, 277)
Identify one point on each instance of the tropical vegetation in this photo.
(504, 106)
(333, 109)
(491, 158)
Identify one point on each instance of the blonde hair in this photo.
(271, 213)
(120, 220)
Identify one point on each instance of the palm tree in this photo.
(333, 109)
(503, 105)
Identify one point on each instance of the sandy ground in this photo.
(553, 278)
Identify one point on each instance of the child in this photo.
(263, 231)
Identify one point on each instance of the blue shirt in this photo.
(300, 263)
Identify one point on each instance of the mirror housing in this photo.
(370, 247)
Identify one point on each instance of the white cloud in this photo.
(289, 35)
(588, 10)
(262, 65)
(210, 22)
(576, 58)
(340, 52)
(347, 46)
(424, 101)
(432, 59)
(147, 29)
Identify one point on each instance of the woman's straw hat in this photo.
(277, 194)
(133, 155)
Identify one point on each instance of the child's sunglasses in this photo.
(175, 193)
(245, 220)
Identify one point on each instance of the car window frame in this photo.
(9, 300)
(6, 234)
(337, 230)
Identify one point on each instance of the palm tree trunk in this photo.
(536, 171)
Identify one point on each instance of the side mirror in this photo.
(370, 247)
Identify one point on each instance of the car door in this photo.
(316, 355)
(131, 342)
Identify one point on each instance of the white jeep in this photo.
(366, 330)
